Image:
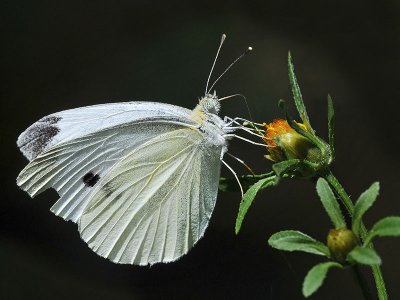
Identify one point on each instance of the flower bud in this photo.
(285, 143)
(340, 242)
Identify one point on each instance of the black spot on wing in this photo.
(38, 136)
(91, 179)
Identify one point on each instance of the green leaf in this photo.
(389, 226)
(291, 240)
(316, 276)
(331, 124)
(281, 168)
(249, 197)
(365, 256)
(363, 203)
(231, 185)
(330, 204)
(298, 99)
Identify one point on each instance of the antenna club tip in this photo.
(249, 49)
(223, 36)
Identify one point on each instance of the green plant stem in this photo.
(376, 270)
(362, 283)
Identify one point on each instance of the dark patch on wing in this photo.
(91, 179)
(38, 136)
(107, 189)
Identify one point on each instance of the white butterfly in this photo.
(139, 178)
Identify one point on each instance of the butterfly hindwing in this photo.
(155, 203)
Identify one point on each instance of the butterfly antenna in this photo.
(215, 60)
(231, 96)
(248, 50)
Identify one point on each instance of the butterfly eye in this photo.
(91, 179)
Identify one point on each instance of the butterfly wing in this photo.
(71, 124)
(71, 150)
(155, 204)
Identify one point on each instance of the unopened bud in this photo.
(340, 242)
(285, 143)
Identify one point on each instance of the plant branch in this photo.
(362, 283)
(376, 270)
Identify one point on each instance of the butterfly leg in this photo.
(242, 162)
(244, 139)
(234, 174)
(229, 121)
(235, 120)
(248, 130)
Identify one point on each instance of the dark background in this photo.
(57, 55)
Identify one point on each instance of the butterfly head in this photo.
(210, 103)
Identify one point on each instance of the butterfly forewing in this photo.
(79, 153)
(75, 123)
(155, 203)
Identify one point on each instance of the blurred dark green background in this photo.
(57, 55)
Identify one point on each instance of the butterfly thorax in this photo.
(210, 125)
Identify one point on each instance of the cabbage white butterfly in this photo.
(139, 178)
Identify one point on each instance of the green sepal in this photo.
(331, 125)
(330, 203)
(283, 167)
(310, 136)
(316, 276)
(248, 199)
(324, 157)
(292, 240)
(365, 256)
(389, 226)
(363, 203)
(298, 99)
